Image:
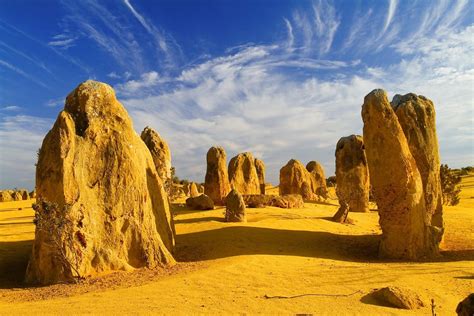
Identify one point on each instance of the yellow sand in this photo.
(229, 268)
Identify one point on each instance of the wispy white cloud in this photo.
(22, 73)
(10, 108)
(31, 59)
(63, 41)
(20, 138)
(56, 102)
(291, 37)
(392, 6)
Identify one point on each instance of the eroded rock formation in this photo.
(235, 207)
(417, 118)
(295, 179)
(397, 184)
(260, 167)
(352, 174)
(316, 170)
(159, 151)
(243, 174)
(201, 202)
(216, 184)
(101, 203)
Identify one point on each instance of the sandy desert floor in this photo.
(230, 268)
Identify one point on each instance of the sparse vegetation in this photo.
(450, 181)
(56, 223)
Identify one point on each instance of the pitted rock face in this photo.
(295, 179)
(216, 184)
(396, 181)
(417, 118)
(102, 206)
(235, 207)
(243, 174)
(260, 167)
(159, 151)
(352, 174)
(317, 172)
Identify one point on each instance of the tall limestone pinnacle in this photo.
(101, 204)
(397, 184)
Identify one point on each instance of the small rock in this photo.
(398, 297)
(202, 202)
(235, 207)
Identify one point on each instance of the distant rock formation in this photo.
(216, 184)
(352, 174)
(243, 174)
(201, 202)
(193, 190)
(101, 203)
(284, 201)
(260, 167)
(295, 179)
(316, 170)
(235, 207)
(5, 196)
(417, 118)
(397, 184)
(159, 151)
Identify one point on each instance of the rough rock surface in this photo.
(398, 297)
(466, 306)
(201, 202)
(417, 118)
(235, 207)
(101, 204)
(260, 166)
(316, 170)
(288, 201)
(285, 201)
(216, 184)
(243, 175)
(159, 151)
(295, 179)
(352, 173)
(397, 185)
(5, 196)
(193, 190)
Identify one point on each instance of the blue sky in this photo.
(282, 79)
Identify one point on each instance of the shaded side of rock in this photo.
(235, 207)
(466, 306)
(201, 202)
(316, 170)
(160, 152)
(352, 173)
(398, 297)
(260, 167)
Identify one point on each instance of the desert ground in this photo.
(318, 266)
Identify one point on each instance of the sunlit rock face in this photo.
(101, 203)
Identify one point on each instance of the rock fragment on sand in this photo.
(235, 207)
(201, 202)
(398, 297)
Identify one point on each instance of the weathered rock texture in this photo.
(397, 184)
(295, 179)
(352, 174)
(101, 204)
(201, 202)
(316, 170)
(260, 167)
(5, 196)
(235, 207)
(284, 201)
(216, 184)
(398, 297)
(159, 151)
(243, 174)
(417, 118)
